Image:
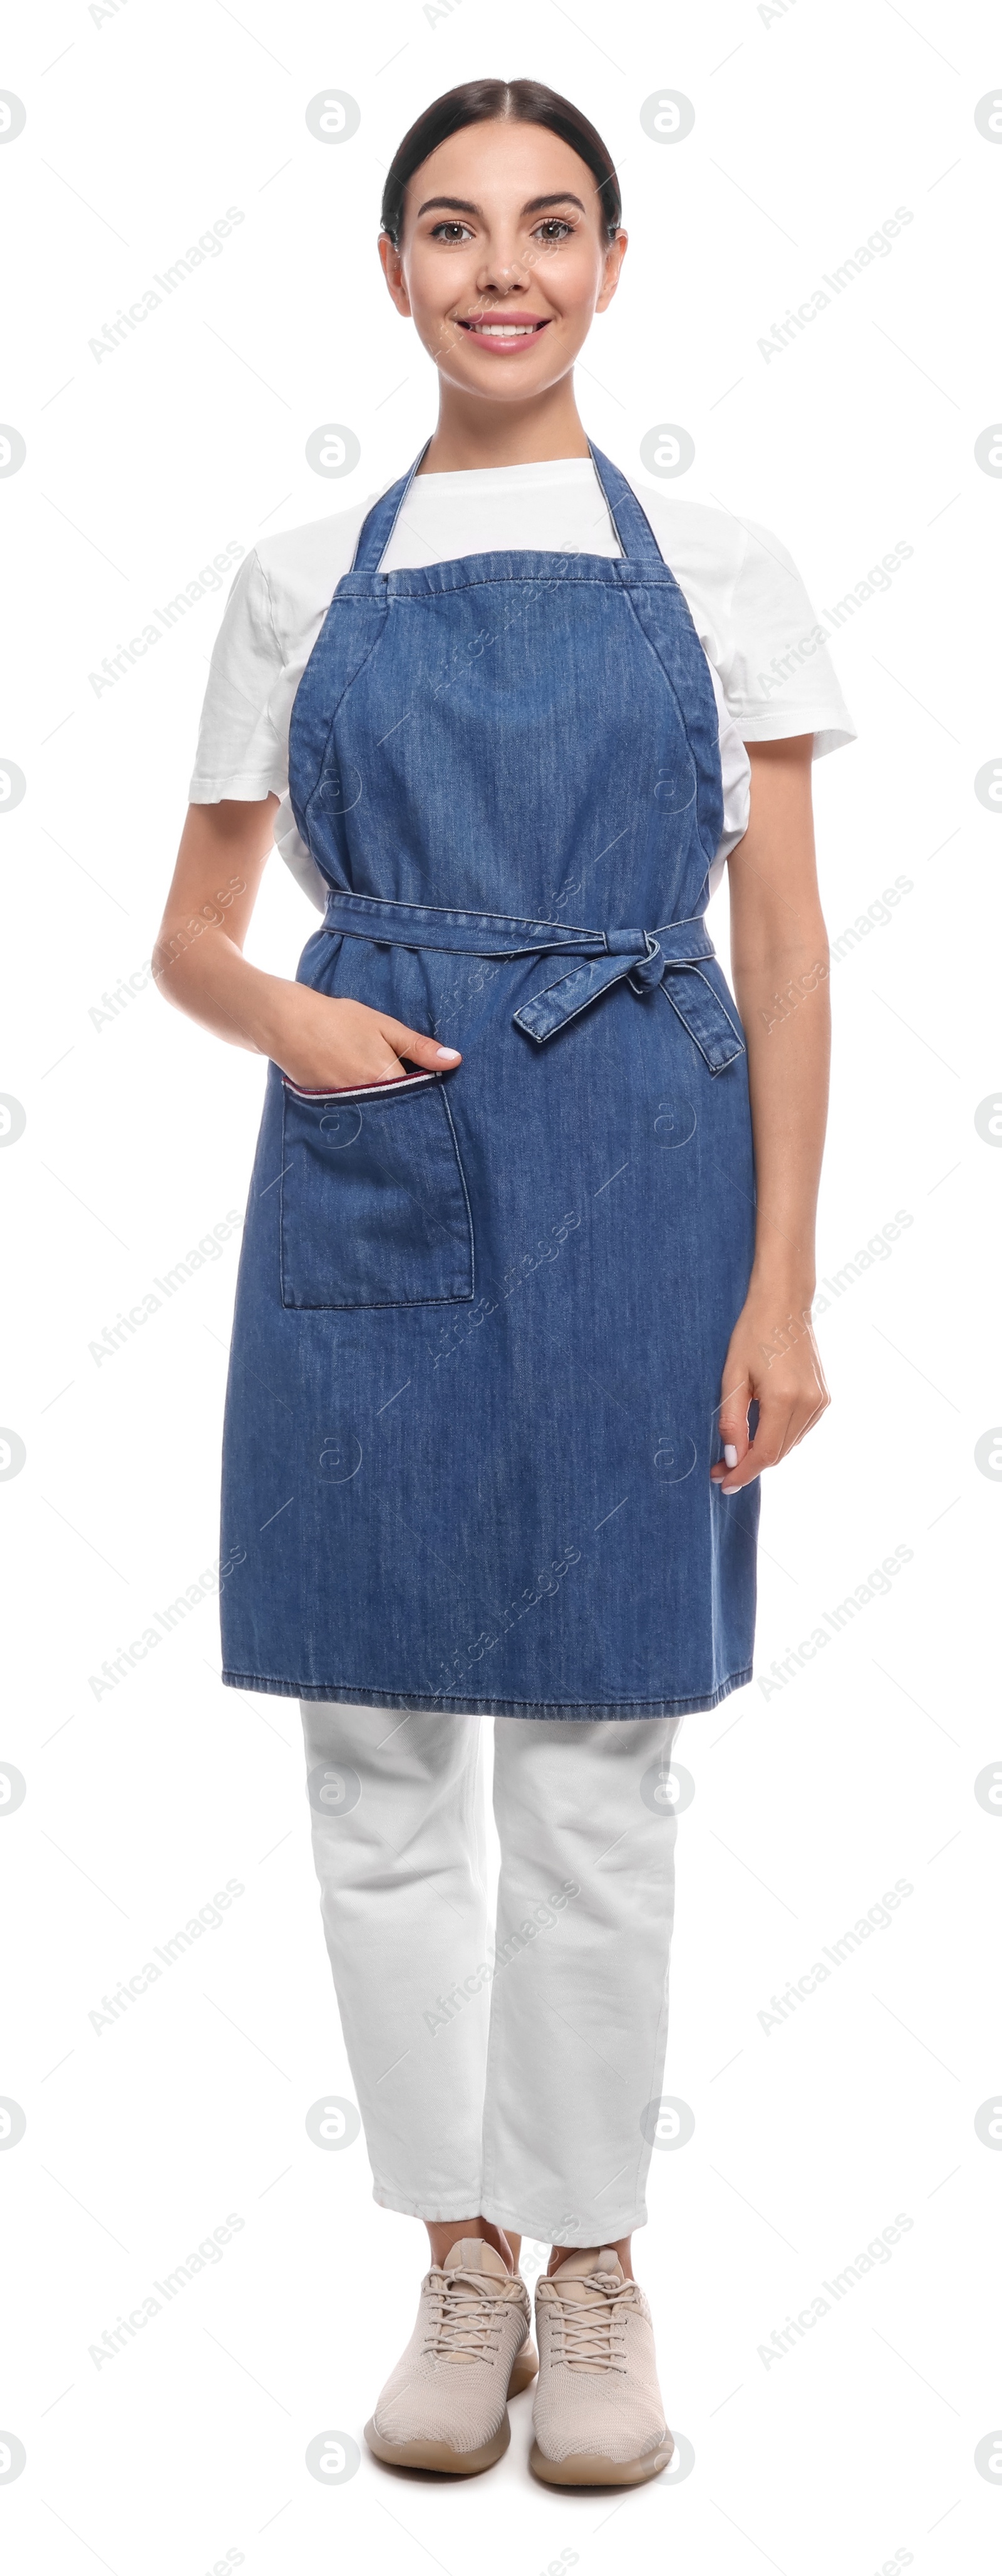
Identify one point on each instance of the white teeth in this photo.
(505, 330)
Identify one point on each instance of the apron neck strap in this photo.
(377, 529)
(633, 528)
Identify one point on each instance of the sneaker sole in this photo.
(440, 2455)
(592, 2469)
(524, 2368)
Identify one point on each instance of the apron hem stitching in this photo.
(359, 1695)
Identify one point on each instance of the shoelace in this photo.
(591, 2329)
(465, 2316)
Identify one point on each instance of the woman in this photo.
(519, 1320)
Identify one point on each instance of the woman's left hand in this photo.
(774, 1362)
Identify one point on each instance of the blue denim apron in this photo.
(482, 1315)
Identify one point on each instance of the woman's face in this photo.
(503, 259)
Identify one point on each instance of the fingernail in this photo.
(448, 1055)
(730, 1455)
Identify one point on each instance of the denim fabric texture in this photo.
(482, 1316)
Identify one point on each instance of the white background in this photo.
(144, 122)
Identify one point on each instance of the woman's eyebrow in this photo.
(563, 198)
(456, 206)
(462, 206)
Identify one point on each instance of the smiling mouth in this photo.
(498, 332)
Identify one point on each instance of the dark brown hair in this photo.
(526, 102)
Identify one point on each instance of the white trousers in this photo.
(512, 2073)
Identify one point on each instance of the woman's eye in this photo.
(555, 228)
(451, 232)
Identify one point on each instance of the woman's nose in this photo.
(503, 273)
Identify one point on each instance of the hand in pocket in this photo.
(339, 1045)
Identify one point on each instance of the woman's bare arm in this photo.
(779, 962)
(200, 966)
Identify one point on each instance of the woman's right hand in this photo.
(336, 1045)
(199, 965)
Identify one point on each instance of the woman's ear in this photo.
(614, 257)
(392, 267)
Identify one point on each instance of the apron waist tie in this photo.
(669, 957)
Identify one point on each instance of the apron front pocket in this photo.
(374, 1204)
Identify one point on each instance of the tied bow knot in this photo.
(648, 967)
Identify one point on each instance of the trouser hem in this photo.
(607, 2230)
(437, 2216)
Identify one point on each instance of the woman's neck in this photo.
(472, 434)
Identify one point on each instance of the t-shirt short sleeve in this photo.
(755, 622)
(274, 613)
(779, 678)
(240, 753)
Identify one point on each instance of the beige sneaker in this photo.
(597, 2414)
(445, 2404)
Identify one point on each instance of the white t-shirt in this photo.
(768, 662)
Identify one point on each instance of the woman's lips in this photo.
(503, 333)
